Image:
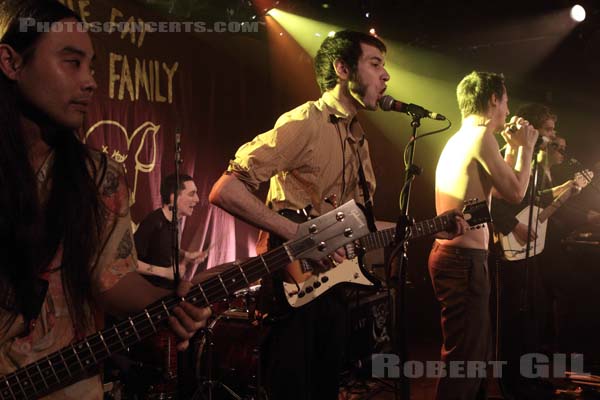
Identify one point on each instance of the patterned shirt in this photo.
(53, 329)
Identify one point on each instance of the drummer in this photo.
(154, 236)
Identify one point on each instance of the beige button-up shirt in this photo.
(312, 153)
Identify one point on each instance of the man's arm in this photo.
(511, 155)
(132, 293)
(233, 196)
(510, 183)
(548, 195)
(156, 270)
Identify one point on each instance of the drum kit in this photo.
(222, 362)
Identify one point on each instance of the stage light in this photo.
(325, 5)
(373, 32)
(303, 30)
(367, 15)
(577, 13)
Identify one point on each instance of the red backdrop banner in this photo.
(153, 84)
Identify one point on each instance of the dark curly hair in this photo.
(536, 114)
(476, 89)
(344, 46)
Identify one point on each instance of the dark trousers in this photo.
(304, 352)
(462, 286)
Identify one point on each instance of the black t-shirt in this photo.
(153, 242)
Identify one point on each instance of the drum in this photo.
(242, 300)
(157, 357)
(228, 355)
(148, 371)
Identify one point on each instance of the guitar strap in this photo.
(366, 195)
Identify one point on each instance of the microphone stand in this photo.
(526, 297)
(174, 218)
(175, 249)
(400, 250)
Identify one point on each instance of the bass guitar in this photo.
(315, 239)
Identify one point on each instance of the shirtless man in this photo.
(471, 166)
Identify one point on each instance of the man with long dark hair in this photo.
(64, 213)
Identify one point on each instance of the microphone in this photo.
(576, 163)
(512, 127)
(177, 139)
(178, 146)
(541, 141)
(388, 103)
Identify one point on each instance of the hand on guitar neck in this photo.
(459, 227)
(571, 185)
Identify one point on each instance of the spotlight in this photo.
(373, 32)
(577, 13)
(325, 5)
(367, 15)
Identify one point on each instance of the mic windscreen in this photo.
(541, 141)
(386, 103)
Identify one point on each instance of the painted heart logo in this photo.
(103, 132)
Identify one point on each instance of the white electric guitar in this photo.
(309, 285)
(513, 248)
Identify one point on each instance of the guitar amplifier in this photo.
(369, 327)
